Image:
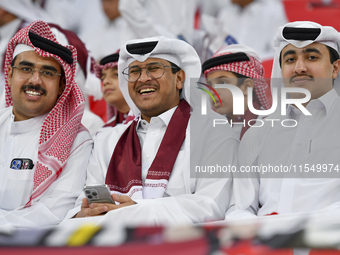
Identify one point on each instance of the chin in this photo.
(297, 95)
(220, 111)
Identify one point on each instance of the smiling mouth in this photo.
(147, 91)
(33, 93)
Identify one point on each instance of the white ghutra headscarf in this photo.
(176, 51)
(301, 34)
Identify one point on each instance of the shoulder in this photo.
(5, 114)
(83, 139)
(92, 122)
(110, 134)
(5, 111)
(211, 126)
(255, 138)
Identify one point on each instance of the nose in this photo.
(144, 75)
(300, 66)
(35, 78)
(105, 81)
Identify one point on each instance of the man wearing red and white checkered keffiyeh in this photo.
(237, 65)
(117, 110)
(44, 149)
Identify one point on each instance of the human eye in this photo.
(223, 81)
(25, 69)
(134, 70)
(312, 57)
(289, 60)
(115, 73)
(154, 67)
(47, 73)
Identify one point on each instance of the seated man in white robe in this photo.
(146, 163)
(44, 149)
(300, 151)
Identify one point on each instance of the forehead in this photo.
(150, 60)
(293, 49)
(221, 74)
(109, 69)
(37, 60)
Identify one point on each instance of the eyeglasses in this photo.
(26, 72)
(154, 70)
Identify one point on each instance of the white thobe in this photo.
(20, 139)
(148, 18)
(92, 122)
(314, 141)
(105, 39)
(186, 199)
(249, 25)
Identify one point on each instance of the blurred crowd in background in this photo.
(104, 25)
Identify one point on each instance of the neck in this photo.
(245, 3)
(113, 18)
(144, 117)
(124, 108)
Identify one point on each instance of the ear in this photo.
(336, 68)
(10, 74)
(62, 85)
(180, 78)
(248, 83)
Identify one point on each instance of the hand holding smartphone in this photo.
(98, 194)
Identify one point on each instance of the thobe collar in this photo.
(326, 101)
(165, 117)
(25, 126)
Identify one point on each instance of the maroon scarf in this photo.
(125, 169)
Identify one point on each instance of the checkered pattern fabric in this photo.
(252, 69)
(63, 122)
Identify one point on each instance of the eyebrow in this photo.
(222, 77)
(225, 77)
(288, 52)
(47, 67)
(52, 68)
(26, 63)
(147, 64)
(308, 50)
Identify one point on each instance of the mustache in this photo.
(299, 75)
(37, 88)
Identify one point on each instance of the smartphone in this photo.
(98, 194)
(22, 163)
